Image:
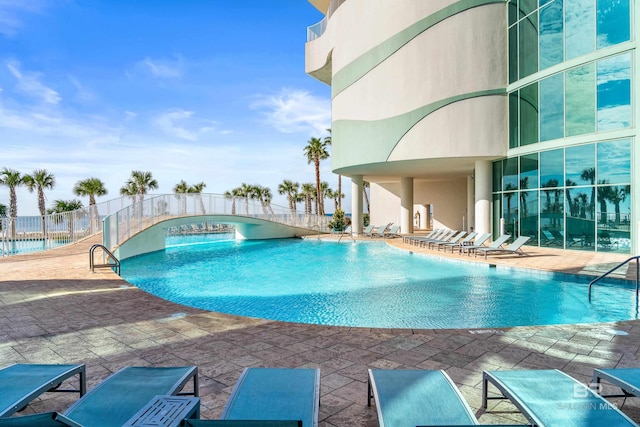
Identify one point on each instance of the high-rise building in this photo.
(508, 116)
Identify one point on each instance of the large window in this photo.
(547, 32)
(578, 197)
(595, 97)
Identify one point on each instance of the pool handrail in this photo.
(636, 258)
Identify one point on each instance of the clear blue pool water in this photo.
(367, 284)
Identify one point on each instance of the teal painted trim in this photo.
(375, 56)
(368, 142)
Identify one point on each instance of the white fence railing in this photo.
(26, 234)
(135, 218)
(35, 233)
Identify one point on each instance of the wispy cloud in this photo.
(183, 124)
(30, 84)
(161, 68)
(294, 110)
(11, 12)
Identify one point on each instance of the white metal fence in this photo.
(133, 219)
(123, 218)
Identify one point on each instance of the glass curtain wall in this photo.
(577, 197)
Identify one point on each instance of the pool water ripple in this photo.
(367, 284)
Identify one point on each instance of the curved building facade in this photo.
(507, 116)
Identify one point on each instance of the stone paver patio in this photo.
(54, 310)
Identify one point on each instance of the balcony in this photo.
(318, 29)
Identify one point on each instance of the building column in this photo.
(471, 208)
(406, 205)
(483, 184)
(356, 204)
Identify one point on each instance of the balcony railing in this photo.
(317, 30)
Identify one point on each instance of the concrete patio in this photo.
(54, 310)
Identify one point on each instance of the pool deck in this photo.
(54, 310)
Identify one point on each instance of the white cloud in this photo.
(11, 12)
(30, 84)
(182, 124)
(161, 68)
(294, 110)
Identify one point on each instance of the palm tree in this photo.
(64, 209)
(245, 191)
(137, 186)
(617, 195)
(316, 150)
(365, 185)
(327, 140)
(3, 214)
(262, 194)
(130, 189)
(231, 195)
(308, 191)
(197, 189)
(12, 179)
(324, 193)
(91, 187)
(290, 188)
(181, 189)
(589, 175)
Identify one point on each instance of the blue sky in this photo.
(200, 90)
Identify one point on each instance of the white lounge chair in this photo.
(513, 248)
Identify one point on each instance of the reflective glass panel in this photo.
(513, 119)
(613, 218)
(580, 101)
(510, 174)
(614, 162)
(580, 165)
(580, 221)
(552, 217)
(613, 23)
(513, 54)
(614, 92)
(528, 45)
(527, 6)
(552, 168)
(552, 107)
(497, 214)
(529, 171)
(510, 212)
(529, 215)
(529, 114)
(497, 176)
(580, 27)
(513, 11)
(551, 34)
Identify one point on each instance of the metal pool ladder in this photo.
(636, 258)
(113, 265)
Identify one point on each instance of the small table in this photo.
(165, 411)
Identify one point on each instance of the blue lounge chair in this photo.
(417, 398)
(553, 398)
(21, 383)
(117, 398)
(513, 248)
(275, 394)
(494, 245)
(628, 379)
(241, 423)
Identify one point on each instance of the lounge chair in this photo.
(379, 232)
(553, 398)
(417, 398)
(494, 245)
(444, 237)
(21, 383)
(467, 241)
(241, 423)
(453, 239)
(368, 230)
(513, 248)
(277, 394)
(393, 232)
(119, 397)
(628, 379)
(416, 239)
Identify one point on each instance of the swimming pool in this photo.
(367, 284)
